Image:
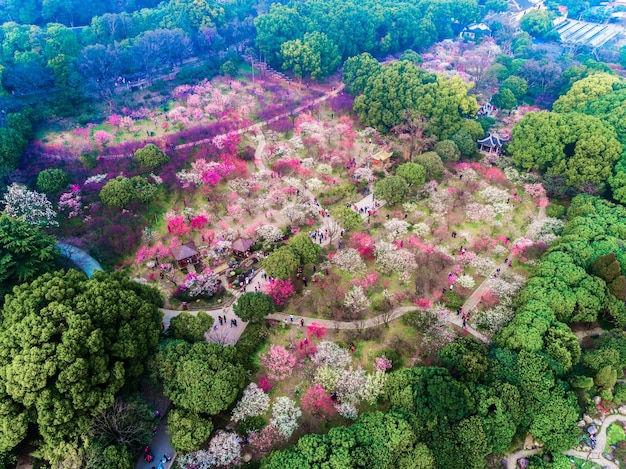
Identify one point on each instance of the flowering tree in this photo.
(317, 403)
(102, 137)
(356, 300)
(316, 330)
(535, 190)
(285, 416)
(177, 226)
(395, 228)
(199, 222)
(347, 410)
(225, 448)
(71, 203)
(205, 284)
(391, 259)
(269, 233)
(32, 206)
(278, 361)
(264, 440)
(253, 402)
(279, 290)
(382, 363)
(351, 384)
(465, 281)
(349, 260)
(374, 387)
(331, 354)
(363, 243)
(327, 377)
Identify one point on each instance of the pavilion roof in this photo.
(492, 140)
(382, 155)
(242, 244)
(184, 251)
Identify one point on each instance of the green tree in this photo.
(151, 157)
(432, 164)
(466, 357)
(281, 263)
(504, 99)
(202, 378)
(305, 248)
(555, 423)
(191, 328)
(52, 180)
(118, 192)
(413, 173)
(585, 91)
(447, 150)
(347, 218)
(253, 306)
(25, 253)
(537, 23)
(143, 190)
(188, 430)
(358, 70)
(315, 55)
(464, 142)
(392, 189)
(91, 336)
(517, 85)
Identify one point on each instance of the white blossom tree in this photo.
(395, 228)
(347, 410)
(349, 260)
(332, 355)
(253, 402)
(285, 415)
(356, 300)
(32, 206)
(269, 233)
(225, 448)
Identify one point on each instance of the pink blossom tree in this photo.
(279, 290)
(199, 222)
(102, 137)
(177, 226)
(278, 361)
(317, 403)
(316, 330)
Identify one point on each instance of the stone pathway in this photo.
(159, 446)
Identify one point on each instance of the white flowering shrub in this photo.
(253, 402)
(327, 377)
(363, 174)
(351, 383)
(479, 212)
(269, 233)
(513, 175)
(347, 410)
(96, 179)
(395, 228)
(225, 448)
(502, 208)
(33, 207)
(285, 415)
(324, 168)
(391, 259)
(307, 163)
(410, 206)
(314, 184)
(466, 281)
(332, 355)
(421, 230)
(440, 202)
(374, 387)
(483, 265)
(349, 260)
(468, 174)
(296, 142)
(500, 250)
(205, 284)
(355, 299)
(496, 318)
(492, 195)
(506, 286)
(148, 235)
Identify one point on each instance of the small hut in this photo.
(492, 143)
(382, 158)
(241, 247)
(185, 254)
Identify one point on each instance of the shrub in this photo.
(555, 211)
(151, 156)
(394, 357)
(52, 180)
(251, 424)
(453, 300)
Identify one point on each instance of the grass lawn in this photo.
(583, 464)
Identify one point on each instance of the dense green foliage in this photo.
(281, 263)
(151, 156)
(306, 250)
(253, 306)
(392, 90)
(190, 327)
(121, 191)
(69, 344)
(25, 253)
(52, 180)
(392, 189)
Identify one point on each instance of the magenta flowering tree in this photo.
(211, 177)
(177, 226)
(199, 222)
(317, 403)
(102, 137)
(316, 330)
(114, 119)
(278, 361)
(279, 290)
(71, 204)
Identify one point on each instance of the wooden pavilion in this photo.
(241, 247)
(185, 254)
(492, 143)
(382, 158)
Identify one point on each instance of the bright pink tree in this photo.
(317, 403)
(278, 361)
(363, 243)
(279, 290)
(199, 222)
(177, 226)
(316, 330)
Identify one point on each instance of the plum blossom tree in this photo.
(262, 441)
(347, 410)
(207, 283)
(177, 226)
(285, 415)
(374, 387)
(382, 363)
(279, 362)
(332, 355)
(349, 260)
(32, 206)
(269, 233)
(395, 228)
(253, 402)
(465, 281)
(225, 448)
(279, 290)
(356, 300)
(71, 203)
(317, 403)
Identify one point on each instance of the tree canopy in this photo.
(253, 306)
(69, 345)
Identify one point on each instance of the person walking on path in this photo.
(291, 318)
